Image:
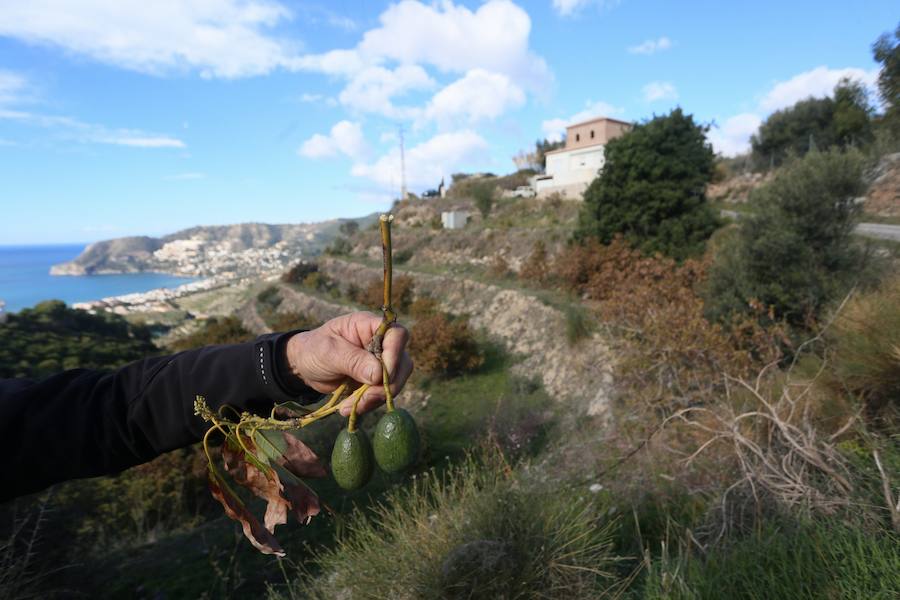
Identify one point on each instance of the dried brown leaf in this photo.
(264, 484)
(299, 459)
(258, 535)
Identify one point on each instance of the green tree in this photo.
(651, 189)
(483, 195)
(852, 121)
(796, 252)
(815, 123)
(886, 51)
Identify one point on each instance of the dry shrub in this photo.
(673, 357)
(499, 267)
(536, 268)
(402, 292)
(423, 306)
(299, 272)
(866, 342)
(443, 346)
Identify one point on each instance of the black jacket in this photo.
(84, 423)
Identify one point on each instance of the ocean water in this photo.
(25, 278)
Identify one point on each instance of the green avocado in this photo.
(396, 441)
(351, 459)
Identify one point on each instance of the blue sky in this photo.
(129, 117)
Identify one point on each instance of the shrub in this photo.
(341, 246)
(536, 268)
(475, 532)
(289, 321)
(483, 196)
(796, 252)
(423, 306)
(402, 292)
(217, 330)
(39, 341)
(299, 272)
(443, 346)
(866, 342)
(651, 189)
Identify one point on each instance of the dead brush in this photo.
(766, 429)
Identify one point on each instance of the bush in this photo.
(39, 341)
(289, 321)
(443, 346)
(402, 292)
(651, 189)
(341, 246)
(483, 195)
(866, 343)
(536, 268)
(796, 252)
(299, 272)
(217, 330)
(474, 532)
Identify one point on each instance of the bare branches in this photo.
(893, 507)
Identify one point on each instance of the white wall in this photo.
(575, 166)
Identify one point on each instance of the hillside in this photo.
(235, 250)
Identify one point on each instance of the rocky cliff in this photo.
(238, 250)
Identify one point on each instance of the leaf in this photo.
(293, 454)
(303, 500)
(259, 536)
(263, 481)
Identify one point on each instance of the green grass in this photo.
(476, 531)
(790, 561)
(887, 220)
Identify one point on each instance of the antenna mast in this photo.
(402, 168)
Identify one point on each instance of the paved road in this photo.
(875, 230)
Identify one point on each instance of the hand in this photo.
(326, 357)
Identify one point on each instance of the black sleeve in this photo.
(84, 423)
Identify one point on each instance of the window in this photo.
(577, 137)
(592, 134)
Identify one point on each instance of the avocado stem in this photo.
(351, 424)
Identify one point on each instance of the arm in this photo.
(83, 423)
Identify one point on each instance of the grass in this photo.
(885, 219)
(477, 531)
(785, 561)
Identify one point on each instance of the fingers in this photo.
(357, 363)
(374, 396)
(393, 346)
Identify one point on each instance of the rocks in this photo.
(883, 197)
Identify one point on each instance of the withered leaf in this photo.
(304, 502)
(258, 535)
(263, 483)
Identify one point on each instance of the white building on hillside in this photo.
(570, 169)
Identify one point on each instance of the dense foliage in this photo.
(886, 51)
(51, 337)
(444, 346)
(815, 123)
(796, 252)
(651, 189)
(217, 330)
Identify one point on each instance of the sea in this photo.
(25, 278)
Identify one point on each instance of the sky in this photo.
(127, 117)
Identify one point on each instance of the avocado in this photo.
(396, 441)
(351, 459)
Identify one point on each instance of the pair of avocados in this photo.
(396, 446)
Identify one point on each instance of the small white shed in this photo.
(454, 219)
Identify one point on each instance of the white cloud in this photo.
(92, 133)
(345, 138)
(451, 38)
(651, 46)
(372, 89)
(568, 8)
(659, 90)
(479, 95)
(733, 136)
(818, 82)
(427, 162)
(554, 129)
(311, 98)
(12, 87)
(219, 38)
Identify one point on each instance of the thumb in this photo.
(359, 364)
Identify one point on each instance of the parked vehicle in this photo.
(524, 191)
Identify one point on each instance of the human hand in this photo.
(329, 355)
